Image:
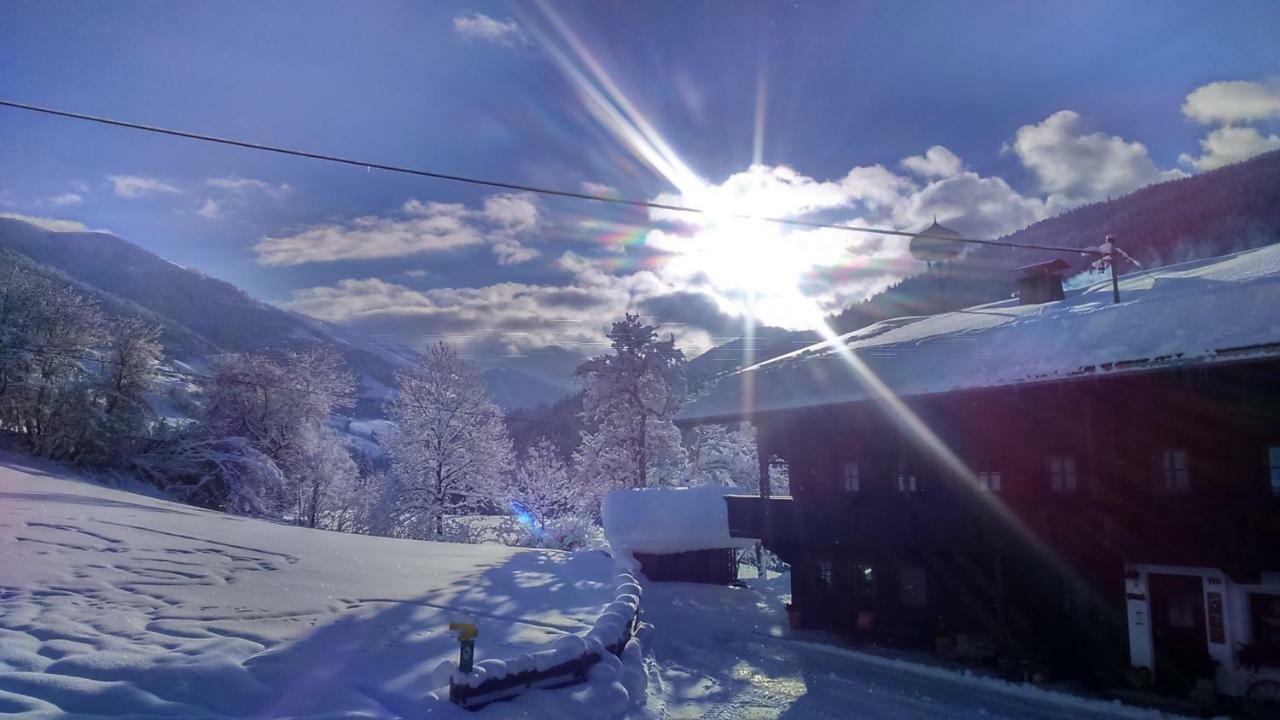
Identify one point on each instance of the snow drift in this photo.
(114, 603)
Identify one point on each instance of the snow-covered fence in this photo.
(568, 661)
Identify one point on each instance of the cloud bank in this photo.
(505, 222)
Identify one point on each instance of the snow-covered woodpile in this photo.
(675, 534)
(669, 520)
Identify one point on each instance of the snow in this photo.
(1203, 311)
(113, 603)
(669, 520)
(722, 653)
(608, 630)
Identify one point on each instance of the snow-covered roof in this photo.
(669, 520)
(1204, 311)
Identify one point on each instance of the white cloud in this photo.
(418, 228)
(53, 224)
(367, 237)
(739, 263)
(132, 187)
(1226, 104)
(788, 274)
(241, 186)
(478, 26)
(937, 162)
(595, 188)
(513, 252)
(514, 316)
(516, 213)
(66, 199)
(1074, 167)
(210, 210)
(1233, 101)
(1228, 145)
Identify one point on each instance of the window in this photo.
(849, 478)
(1075, 596)
(866, 581)
(911, 586)
(1273, 469)
(1174, 472)
(906, 479)
(988, 475)
(1264, 611)
(825, 578)
(1062, 473)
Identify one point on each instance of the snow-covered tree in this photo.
(116, 415)
(551, 506)
(47, 333)
(450, 448)
(632, 395)
(322, 476)
(283, 411)
(719, 455)
(223, 473)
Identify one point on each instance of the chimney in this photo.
(1041, 282)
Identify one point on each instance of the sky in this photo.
(987, 116)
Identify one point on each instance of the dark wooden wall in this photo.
(1029, 562)
(718, 567)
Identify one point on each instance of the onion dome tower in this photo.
(935, 243)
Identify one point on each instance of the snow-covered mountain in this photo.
(203, 316)
(514, 388)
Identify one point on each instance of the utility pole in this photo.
(1110, 251)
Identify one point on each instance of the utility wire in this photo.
(238, 381)
(368, 165)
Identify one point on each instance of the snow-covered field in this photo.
(117, 604)
(114, 603)
(726, 653)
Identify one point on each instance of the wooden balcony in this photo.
(878, 522)
(1242, 538)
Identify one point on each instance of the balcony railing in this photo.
(1223, 534)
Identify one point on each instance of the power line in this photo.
(238, 381)
(503, 185)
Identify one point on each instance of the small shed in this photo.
(1041, 282)
(676, 534)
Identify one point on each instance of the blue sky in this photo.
(1032, 107)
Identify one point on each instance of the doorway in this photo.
(1178, 631)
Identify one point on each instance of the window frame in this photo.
(1062, 470)
(846, 476)
(905, 480)
(826, 574)
(1173, 478)
(989, 475)
(1273, 469)
(865, 580)
(1257, 612)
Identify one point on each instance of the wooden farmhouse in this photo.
(1075, 484)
